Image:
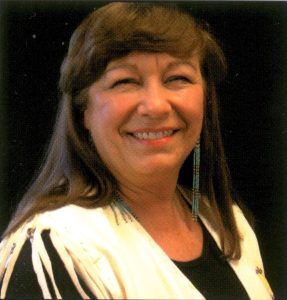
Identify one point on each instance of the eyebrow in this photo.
(133, 67)
(180, 62)
(121, 66)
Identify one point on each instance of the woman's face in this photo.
(145, 113)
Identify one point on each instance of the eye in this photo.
(124, 81)
(179, 78)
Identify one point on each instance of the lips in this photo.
(153, 134)
(157, 135)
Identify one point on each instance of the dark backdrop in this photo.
(34, 39)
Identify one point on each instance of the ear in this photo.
(87, 119)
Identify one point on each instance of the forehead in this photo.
(162, 60)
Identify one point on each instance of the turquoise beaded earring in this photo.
(195, 183)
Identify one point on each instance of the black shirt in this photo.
(211, 274)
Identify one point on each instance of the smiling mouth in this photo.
(153, 135)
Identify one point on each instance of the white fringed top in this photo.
(117, 258)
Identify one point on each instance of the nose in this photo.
(155, 101)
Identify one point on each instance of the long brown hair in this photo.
(72, 171)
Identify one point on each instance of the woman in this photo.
(134, 199)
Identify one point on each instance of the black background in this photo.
(34, 39)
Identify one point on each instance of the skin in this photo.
(158, 96)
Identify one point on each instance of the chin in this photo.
(156, 167)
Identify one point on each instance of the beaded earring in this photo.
(195, 183)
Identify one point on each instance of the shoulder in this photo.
(34, 259)
(249, 242)
(24, 282)
(248, 239)
(245, 229)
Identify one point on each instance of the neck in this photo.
(152, 191)
(161, 202)
(166, 217)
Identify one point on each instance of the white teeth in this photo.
(153, 135)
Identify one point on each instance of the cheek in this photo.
(115, 112)
(95, 121)
(193, 105)
(103, 118)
